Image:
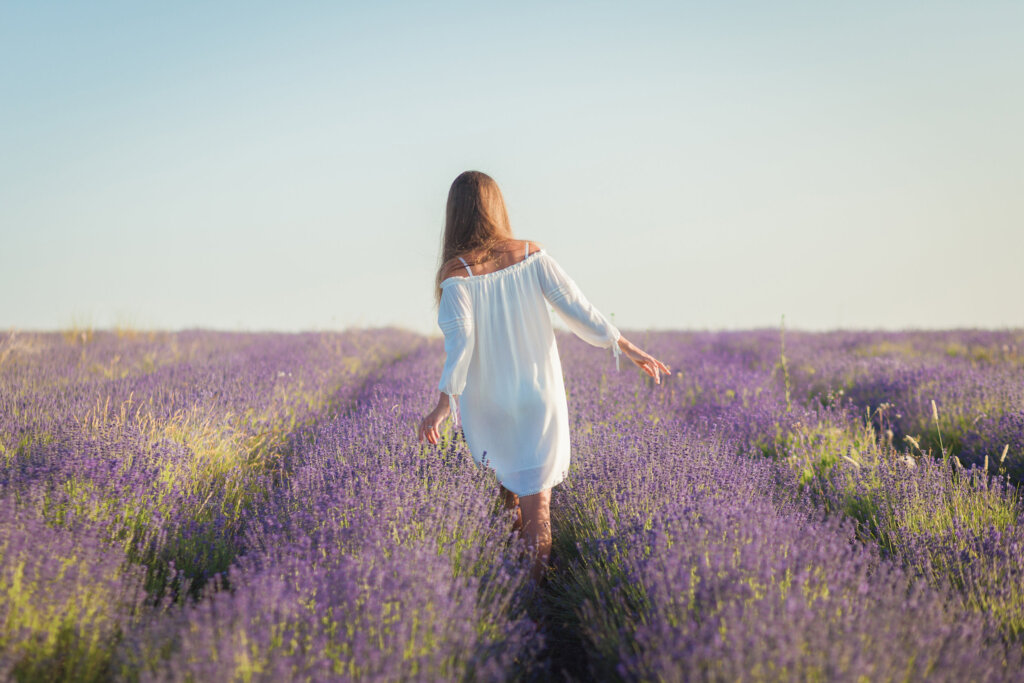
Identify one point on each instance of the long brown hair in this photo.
(476, 221)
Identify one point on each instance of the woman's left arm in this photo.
(455, 318)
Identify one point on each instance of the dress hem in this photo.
(543, 488)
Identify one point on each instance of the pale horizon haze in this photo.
(284, 166)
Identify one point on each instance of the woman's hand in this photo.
(429, 426)
(646, 362)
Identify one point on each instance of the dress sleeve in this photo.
(455, 318)
(585, 321)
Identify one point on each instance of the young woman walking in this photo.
(502, 371)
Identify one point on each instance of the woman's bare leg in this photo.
(511, 501)
(536, 511)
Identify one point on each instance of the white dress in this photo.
(502, 371)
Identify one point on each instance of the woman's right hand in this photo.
(645, 361)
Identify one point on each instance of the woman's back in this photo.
(512, 329)
(503, 361)
(506, 253)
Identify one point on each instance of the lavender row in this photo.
(382, 559)
(170, 485)
(693, 561)
(332, 545)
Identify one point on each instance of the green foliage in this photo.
(586, 579)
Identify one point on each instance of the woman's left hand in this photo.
(429, 426)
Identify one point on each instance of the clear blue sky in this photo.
(691, 165)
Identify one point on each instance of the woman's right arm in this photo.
(587, 322)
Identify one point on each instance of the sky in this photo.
(284, 166)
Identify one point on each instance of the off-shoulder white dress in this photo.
(502, 371)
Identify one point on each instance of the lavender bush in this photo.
(213, 506)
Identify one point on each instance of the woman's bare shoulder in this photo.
(453, 268)
(534, 246)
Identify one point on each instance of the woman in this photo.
(501, 359)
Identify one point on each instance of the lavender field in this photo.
(202, 506)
